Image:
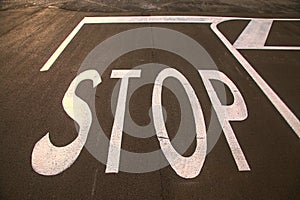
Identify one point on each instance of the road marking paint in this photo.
(277, 102)
(186, 167)
(153, 19)
(142, 19)
(48, 159)
(254, 35)
(112, 20)
(272, 48)
(282, 108)
(61, 47)
(113, 158)
(237, 111)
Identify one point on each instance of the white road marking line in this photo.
(272, 48)
(154, 19)
(237, 111)
(286, 113)
(121, 20)
(139, 19)
(61, 47)
(254, 35)
(115, 143)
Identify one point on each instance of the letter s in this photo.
(48, 159)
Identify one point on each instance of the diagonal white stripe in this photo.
(254, 35)
(282, 108)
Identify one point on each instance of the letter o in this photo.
(186, 167)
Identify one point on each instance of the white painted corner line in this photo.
(282, 108)
(131, 19)
(148, 19)
(62, 47)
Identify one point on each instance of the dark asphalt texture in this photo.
(290, 8)
(31, 106)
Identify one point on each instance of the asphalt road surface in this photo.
(259, 56)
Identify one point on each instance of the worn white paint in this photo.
(254, 35)
(113, 158)
(226, 113)
(153, 19)
(279, 48)
(149, 19)
(282, 108)
(120, 20)
(186, 167)
(48, 159)
(61, 47)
